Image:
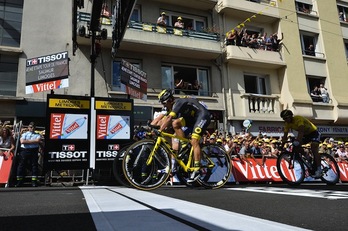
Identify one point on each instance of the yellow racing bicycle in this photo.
(147, 164)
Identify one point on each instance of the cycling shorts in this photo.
(311, 137)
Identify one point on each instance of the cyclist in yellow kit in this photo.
(307, 132)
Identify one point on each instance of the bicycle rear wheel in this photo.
(331, 172)
(117, 167)
(216, 166)
(138, 173)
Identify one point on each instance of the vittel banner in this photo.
(67, 132)
(114, 128)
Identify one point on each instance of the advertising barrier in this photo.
(66, 139)
(5, 169)
(244, 172)
(114, 128)
(84, 132)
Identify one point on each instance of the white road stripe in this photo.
(326, 194)
(111, 210)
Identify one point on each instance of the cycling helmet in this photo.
(165, 95)
(286, 114)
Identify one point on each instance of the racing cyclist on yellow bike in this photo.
(187, 112)
(307, 132)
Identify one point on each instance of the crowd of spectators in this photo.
(260, 41)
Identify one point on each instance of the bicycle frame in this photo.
(161, 139)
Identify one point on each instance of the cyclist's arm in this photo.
(300, 133)
(158, 120)
(166, 122)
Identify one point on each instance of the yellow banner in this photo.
(177, 32)
(161, 29)
(107, 105)
(147, 27)
(68, 103)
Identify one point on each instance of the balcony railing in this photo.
(151, 27)
(313, 53)
(261, 103)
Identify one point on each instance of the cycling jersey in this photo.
(298, 121)
(193, 114)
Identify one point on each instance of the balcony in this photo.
(254, 57)
(252, 106)
(149, 38)
(244, 8)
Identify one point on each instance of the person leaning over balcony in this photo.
(231, 38)
(30, 141)
(276, 42)
(310, 50)
(324, 93)
(162, 21)
(179, 23)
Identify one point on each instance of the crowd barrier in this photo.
(244, 172)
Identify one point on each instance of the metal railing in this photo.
(152, 27)
(313, 53)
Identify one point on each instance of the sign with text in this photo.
(47, 72)
(67, 143)
(114, 128)
(134, 79)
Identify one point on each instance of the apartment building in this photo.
(237, 83)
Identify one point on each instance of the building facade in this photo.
(237, 82)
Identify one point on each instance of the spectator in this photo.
(253, 42)
(6, 142)
(316, 94)
(179, 23)
(341, 154)
(324, 93)
(162, 20)
(341, 16)
(239, 36)
(179, 84)
(310, 50)
(256, 151)
(30, 141)
(196, 87)
(231, 38)
(244, 152)
(276, 42)
(268, 43)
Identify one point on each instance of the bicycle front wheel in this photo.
(291, 170)
(331, 172)
(142, 175)
(215, 166)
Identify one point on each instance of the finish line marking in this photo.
(325, 194)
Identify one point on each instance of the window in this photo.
(313, 82)
(342, 13)
(11, 22)
(303, 7)
(8, 74)
(186, 80)
(191, 22)
(346, 46)
(309, 45)
(135, 16)
(255, 84)
(116, 76)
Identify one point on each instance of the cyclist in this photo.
(307, 132)
(187, 112)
